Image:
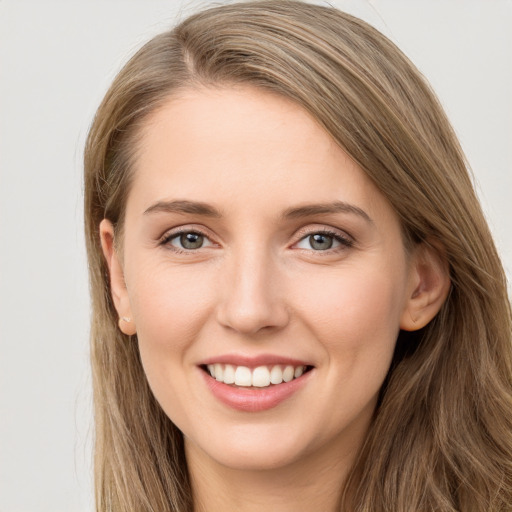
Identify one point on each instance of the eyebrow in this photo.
(207, 210)
(183, 206)
(309, 210)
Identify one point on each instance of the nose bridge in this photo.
(251, 298)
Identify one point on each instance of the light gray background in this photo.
(56, 61)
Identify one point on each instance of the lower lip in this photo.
(254, 399)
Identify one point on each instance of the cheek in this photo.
(169, 307)
(355, 310)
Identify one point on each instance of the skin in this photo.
(257, 286)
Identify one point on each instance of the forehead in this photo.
(230, 145)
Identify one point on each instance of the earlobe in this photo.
(127, 326)
(117, 282)
(429, 285)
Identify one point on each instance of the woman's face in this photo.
(253, 241)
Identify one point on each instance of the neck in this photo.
(315, 483)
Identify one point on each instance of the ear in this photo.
(429, 285)
(117, 282)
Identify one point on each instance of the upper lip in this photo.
(254, 361)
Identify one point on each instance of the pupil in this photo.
(320, 242)
(191, 240)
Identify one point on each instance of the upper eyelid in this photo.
(186, 228)
(319, 228)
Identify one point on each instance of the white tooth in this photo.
(243, 376)
(211, 369)
(298, 371)
(229, 374)
(276, 375)
(288, 373)
(218, 372)
(261, 377)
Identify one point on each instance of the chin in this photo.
(253, 449)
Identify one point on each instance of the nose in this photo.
(253, 298)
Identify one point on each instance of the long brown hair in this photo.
(441, 438)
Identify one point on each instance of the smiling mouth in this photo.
(259, 377)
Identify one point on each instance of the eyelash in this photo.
(166, 239)
(344, 241)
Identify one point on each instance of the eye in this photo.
(323, 241)
(187, 240)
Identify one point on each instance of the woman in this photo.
(297, 303)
